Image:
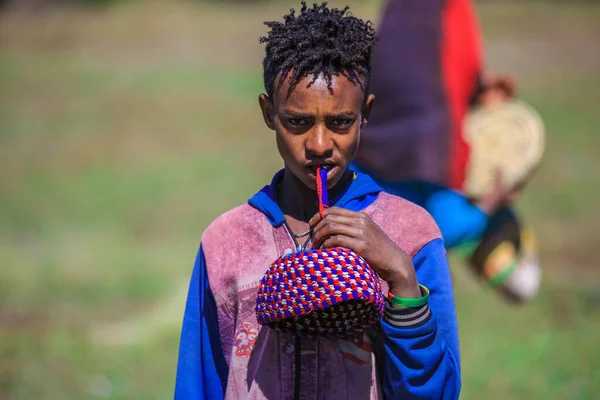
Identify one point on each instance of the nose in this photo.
(319, 142)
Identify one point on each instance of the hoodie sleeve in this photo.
(459, 220)
(201, 368)
(422, 359)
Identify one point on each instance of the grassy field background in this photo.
(125, 131)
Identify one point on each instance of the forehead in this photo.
(346, 96)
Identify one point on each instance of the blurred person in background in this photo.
(427, 76)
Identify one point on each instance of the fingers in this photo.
(507, 84)
(353, 244)
(341, 212)
(335, 219)
(503, 83)
(496, 90)
(339, 222)
(328, 228)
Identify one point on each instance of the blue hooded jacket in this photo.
(421, 359)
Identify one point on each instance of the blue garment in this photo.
(201, 368)
(420, 362)
(424, 362)
(459, 220)
(360, 193)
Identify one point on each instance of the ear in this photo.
(268, 110)
(366, 110)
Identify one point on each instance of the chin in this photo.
(338, 175)
(332, 182)
(309, 181)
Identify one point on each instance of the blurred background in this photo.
(126, 127)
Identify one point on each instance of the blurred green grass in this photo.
(123, 133)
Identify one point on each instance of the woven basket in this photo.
(510, 137)
(330, 292)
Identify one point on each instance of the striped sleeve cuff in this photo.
(406, 317)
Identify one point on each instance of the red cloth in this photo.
(461, 66)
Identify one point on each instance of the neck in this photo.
(299, 201)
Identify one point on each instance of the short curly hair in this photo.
(318, 41)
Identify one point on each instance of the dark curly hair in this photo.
(318, 41)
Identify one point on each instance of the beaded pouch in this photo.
(320, 292)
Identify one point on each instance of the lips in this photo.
(329, 167)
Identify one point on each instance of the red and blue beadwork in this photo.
(320, 292)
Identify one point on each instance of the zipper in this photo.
(298, 366)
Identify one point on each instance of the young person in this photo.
(317, 101)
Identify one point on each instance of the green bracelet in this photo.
(400, 301)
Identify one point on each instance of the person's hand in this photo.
(498, 196)
(496, 89)
(357, 231)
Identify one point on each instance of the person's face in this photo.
(317, 128)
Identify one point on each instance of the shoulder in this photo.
(410, 226)
(239, 224)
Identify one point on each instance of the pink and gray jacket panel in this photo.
(225, 354)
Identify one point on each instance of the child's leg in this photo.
(507, 257)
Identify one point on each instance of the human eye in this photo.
(297, 122)
(342, 122)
